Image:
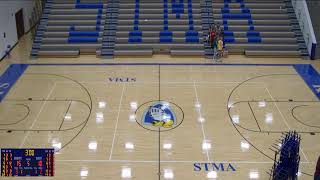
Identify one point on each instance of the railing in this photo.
(36, 16)
(303, 16)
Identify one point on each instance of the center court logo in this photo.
(159, 115)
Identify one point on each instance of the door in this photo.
(20, 23)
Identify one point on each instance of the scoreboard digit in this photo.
(27, 162)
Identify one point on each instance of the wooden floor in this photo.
(227, 115)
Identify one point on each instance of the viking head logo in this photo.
(160, 115)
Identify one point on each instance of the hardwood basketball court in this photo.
(226, 118)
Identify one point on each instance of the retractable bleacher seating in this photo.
(146, 27)
(111, 28)
(70, 28)
(260, 27)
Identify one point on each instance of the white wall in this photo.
(8, 8)
(303, 16)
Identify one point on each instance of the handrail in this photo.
(35, 25)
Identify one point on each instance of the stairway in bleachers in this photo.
(70, 28)
(146, 27)
(110, 29)
(259, 27)
(207, 21)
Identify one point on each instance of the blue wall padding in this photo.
(84, 33)
(254, 39)
(226, 27)
(82, 40)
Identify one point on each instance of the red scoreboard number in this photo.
(27, 162)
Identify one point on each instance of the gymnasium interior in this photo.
(160, 89)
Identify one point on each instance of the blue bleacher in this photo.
(135, 36)
(191, 35)
(253, 36)
(177, 8)
(166, 36)
(86, 36)
(82, 39)
(80, 5)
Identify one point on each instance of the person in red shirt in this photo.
(317, 173)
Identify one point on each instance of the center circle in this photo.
(159, 115)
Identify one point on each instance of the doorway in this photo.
(20, 23)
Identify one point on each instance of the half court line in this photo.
(200, 118)
(116, 126)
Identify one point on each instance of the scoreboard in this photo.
(27, 162)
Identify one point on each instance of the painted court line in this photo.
(170, 161)
(164, 82)
(284, 120)
(155, 64)
(154, 71)
(200, 116)
(116, 126)
(36, 119)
